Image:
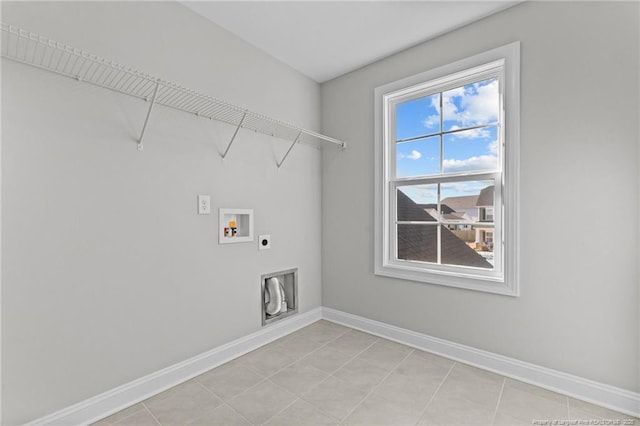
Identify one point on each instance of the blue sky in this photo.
(470, 150)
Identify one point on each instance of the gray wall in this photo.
(108, 272)
(578, 309)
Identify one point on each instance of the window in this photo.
(486, 214)
(446, 174)
(488, 238)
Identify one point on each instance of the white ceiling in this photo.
(325, 39)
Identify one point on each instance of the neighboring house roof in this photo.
(419, 242)
(453, 216)
(443, 207)
(486, 197)
(462, 202)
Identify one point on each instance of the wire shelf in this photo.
(32, 49)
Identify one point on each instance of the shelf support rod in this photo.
(146, 120)
(295, 141)
(234, 135)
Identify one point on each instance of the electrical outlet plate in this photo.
(264, 242)
(204, 204)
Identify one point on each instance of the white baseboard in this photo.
(101, 406)
(611, 397)
(107, 403)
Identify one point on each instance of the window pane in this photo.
(471, 105)
(418, 117)
(418, 158)
(418, 242)
(486, 214)
(471, 150)
(417, 203)
(466, 201)
(467, 246)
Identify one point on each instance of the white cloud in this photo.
(481, 132)
(484, 104)
(478, 104)
(432, 121)
(415, 155)
(481, 162)
(493, 147)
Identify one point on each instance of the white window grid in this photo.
(506, 200)
(493, 70)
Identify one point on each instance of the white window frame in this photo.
(504, 278)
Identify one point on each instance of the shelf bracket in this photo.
(146, 120)
(295, 141)
(234, 134)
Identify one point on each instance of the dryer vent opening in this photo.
(279, 295)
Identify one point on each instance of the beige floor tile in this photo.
(321, 332)
(449, 409)
(262, 402)
(228, 381)
(578, 409)
(326, 359)
(139, 418)
(182, 404)
(353, 342)
(267, 361)
(473, 384)
(415, 380)
(426, 366)
(534, 390)
(120, 415)
(385, 354)
(361, 374)
(324, 324)
(398, 382)
(298, 346)
(395, 345)
(221, 416)
(529, 403)
(433, 358)
(411, 392)
(331, 324)
(376, 410)
(301, 413)
(298, 378)
(335, 397)
(502, 419)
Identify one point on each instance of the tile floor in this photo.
(326, 374)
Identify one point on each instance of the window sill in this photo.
(467, 282)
